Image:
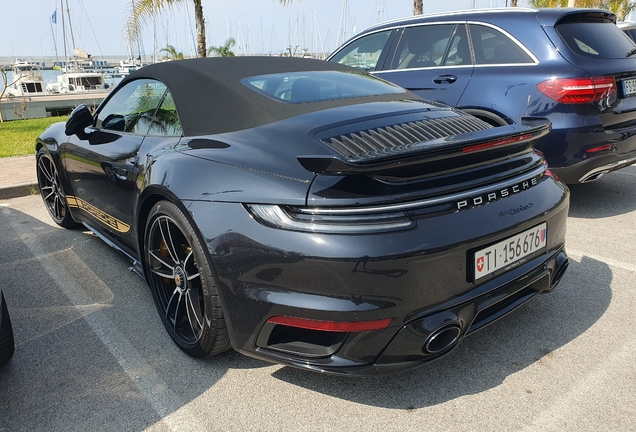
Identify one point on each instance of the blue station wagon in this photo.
(571, 66)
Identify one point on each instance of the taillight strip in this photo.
(333, 326)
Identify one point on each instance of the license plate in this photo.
(510, 251)
(629, 87)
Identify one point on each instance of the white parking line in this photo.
(163, 400)
(609, 261)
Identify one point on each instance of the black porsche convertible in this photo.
(309, 214)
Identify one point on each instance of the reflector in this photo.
(334, 326)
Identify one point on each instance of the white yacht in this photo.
(78, 75)
(129, 65)
(27, 79)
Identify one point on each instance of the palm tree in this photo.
(172, 53)
(224, 50)
(418, 7)
(145, 10)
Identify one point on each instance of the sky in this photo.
(258, 26)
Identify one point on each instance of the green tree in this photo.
(172, 53)
(145, 10)
(224, 50)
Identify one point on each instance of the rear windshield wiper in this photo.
(631, 52)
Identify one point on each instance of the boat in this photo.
(129, 65)
(79, 73)
(27, 79)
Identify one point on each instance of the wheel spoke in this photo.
(179, 311)
(193, 313)
(160, 259)
(185, 261)
(159, 273)
(185, 266)
(45, 170)
(49, 195)
(167, 239)
(56, 207)
(173, 303)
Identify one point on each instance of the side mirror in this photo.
(79, 119)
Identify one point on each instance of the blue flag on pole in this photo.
(54, 17)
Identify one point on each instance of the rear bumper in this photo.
(577, 153)
(420, 279)
(428, 338)
(595, 167)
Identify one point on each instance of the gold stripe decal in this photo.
(105, 218)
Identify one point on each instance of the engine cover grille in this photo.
(401, 138)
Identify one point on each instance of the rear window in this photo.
(600, 40)
(301, 87)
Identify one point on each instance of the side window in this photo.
(132, 108)
(493, 47)
(166, 120)
(459, 49)
(363, 53)
(422, 46)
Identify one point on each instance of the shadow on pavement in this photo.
(611, 195)
(483, 360)
(91, 352)
(91, 349)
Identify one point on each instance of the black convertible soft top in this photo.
(211, 99)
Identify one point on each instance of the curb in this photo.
(18, 190)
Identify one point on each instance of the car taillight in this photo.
(501, 142)
(333, 326)
(578, 90)
(599, 148)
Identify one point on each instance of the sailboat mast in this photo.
(70, 25)
(63, 28)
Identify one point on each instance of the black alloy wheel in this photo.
(182, 283)
(52, 191)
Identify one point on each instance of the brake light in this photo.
(578, 90)
(599, 148)
(501, 142)
(333, 326)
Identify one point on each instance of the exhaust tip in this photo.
(562, 265)
(593, 177)
(442, 339)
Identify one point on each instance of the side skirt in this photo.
(137, 268)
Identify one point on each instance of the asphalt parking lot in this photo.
(92, 354)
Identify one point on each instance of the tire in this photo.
(182, 283)
(7, 345)
(52, 191)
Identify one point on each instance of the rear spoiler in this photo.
(478, 143)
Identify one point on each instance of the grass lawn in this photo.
(17, 137)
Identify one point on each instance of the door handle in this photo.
(449, 79)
